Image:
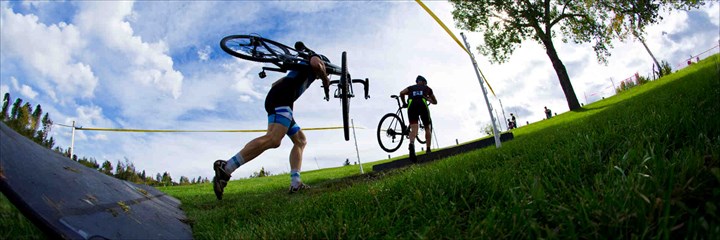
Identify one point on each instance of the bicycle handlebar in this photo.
(396, 97)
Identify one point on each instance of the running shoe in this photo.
(220, 179)
(301, 186)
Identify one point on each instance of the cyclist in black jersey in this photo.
(279, 107)
(419, 96)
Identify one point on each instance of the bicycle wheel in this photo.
(254, 48)
(421, 133)
(345, 96)
(390, 132)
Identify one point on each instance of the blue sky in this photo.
(158, 65)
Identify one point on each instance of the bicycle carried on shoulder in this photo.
(258, 49)
(392, 129)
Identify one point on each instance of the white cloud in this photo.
(4, 89)
(27, 91)
(50, 51)
(204, 53)
(306, 7)
(243, 77)
(713, 11)
(144, 63)
(14, 83)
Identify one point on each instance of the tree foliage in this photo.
(26, 121)
(261, 173)
(507, 24)
(630, 18)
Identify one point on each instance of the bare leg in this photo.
(296, 152)
(413, 133)
(428, 136)
(271, 139)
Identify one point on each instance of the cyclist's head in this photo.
(420, 79)
(300, 46)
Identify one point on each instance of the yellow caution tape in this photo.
(156, 130)
(442, 25)
(453, 37)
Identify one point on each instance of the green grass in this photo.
(642, 164)
(14, 225)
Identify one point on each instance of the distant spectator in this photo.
(697, 59)
(514, 122)
(548, 113)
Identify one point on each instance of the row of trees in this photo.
(506, 24)
(26, 120)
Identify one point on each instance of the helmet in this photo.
(420, 78)
(300, 46)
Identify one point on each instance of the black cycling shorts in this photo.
(419, 111)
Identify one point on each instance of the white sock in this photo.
(234, 163)
(295, 178)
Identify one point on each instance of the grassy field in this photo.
(642, 164)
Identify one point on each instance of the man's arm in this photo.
(318, 67)
(432, 99)
(402, 96)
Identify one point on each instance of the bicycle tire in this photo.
(269, 50)
(345, 96)
(390, 132)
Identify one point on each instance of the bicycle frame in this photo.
(399, 112)
(295, 62)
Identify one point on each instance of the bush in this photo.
(665, 68)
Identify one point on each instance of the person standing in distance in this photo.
(548, 113)
(419, 96)
(279, 107)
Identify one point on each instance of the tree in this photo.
(106, 168)
(184, 180)
(166, 179)
(506, 24)
(262, 173)
(91, 162)
(632, 17)
(488, 129)
(23, 120)
(15, 109)
(45, 132)
(35, 119)
(5, 107)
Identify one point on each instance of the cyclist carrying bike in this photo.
(279, 106)
(419, 96)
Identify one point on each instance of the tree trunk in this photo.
(562, 74)
(657, 64)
